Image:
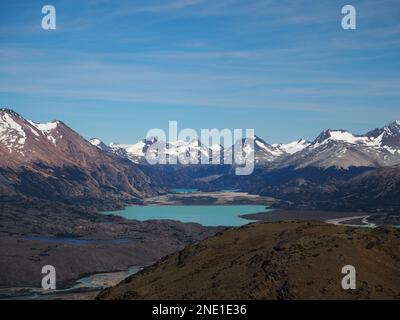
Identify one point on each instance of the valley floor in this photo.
(207, 198)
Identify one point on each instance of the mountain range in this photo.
(331, 148)
(337, 170)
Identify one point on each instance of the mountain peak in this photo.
(11, 112)
(95, 141)
(150, 140)
(294, 146)
(343, 136)
(323, 136)
(257, 140)
(388, 136)
(394, 125)
(99, 144)
(255, 137)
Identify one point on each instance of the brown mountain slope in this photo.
(52, 162)
(376, 189)
(292, 260)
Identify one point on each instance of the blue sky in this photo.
(115, 69)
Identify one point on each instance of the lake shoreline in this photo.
(339, 218)
(209, 209)
(206, 215)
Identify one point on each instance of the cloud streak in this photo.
(275, 57)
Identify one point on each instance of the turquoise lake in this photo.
(182, 190)
(209, 215)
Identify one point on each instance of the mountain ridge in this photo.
(331, 148)
(274, 261)
(52, 162)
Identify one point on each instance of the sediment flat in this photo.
(210, 198)
(300, 215)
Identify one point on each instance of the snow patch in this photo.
(11, 133)
(45, 128)
(276, 152)
(348, 137)
(96, 142)
(132, 149)
(293, 147)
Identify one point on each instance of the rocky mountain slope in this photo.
(52, 162)
(374, 189)
(292, 260)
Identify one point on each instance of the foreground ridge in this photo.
(287, 260)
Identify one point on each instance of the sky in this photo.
(287, 69)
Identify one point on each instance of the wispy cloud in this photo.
(281, 56)
(98, 77)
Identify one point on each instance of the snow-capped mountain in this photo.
(50, 160)
(342, 149)
(100, 144)
(24, 140)
(293, 147)
(331, 148)
(193, 151)
(388, 137)
(264, 152)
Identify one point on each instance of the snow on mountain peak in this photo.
(294, 146)
(14, 130)
(344, 137)
(95, 141)
(338, 143)
(136, 149)
(394, 126)
(11, 133)
(46, 129)
(7, 122)
(269, 149)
